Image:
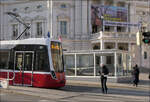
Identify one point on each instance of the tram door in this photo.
(23, 68)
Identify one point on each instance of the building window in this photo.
(39, 6)
(118, 29)
(96, 47)
(26, 8)
(15, 30)
(15, 9)
(39, 28)
(145, 55)
(121, 29)
(121, 4)
(121, 48)
(63, 27)
(107, 28)
(63, 6)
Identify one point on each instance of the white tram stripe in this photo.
(34, 72)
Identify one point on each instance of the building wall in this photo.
(77, 14)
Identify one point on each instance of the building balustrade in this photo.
(80, 37)
(100, 35)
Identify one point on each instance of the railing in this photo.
(12, 77)
(5, 82)
(113, 35)
(80, 37)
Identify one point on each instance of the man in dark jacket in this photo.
(104, 73)
(135, 74)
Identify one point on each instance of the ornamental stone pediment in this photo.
(63, 16)
(26, 18)
(39, 18)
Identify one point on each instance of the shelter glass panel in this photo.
(69, 63)
(85, 65)
(120, 64)
(124, 64)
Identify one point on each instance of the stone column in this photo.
(101, 44)
(102, 48)
(116, 45)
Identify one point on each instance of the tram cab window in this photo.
(57, 56)
(4, 58)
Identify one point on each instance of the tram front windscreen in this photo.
(57, 56)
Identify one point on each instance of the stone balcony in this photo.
(113, 35)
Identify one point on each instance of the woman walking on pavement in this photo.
(135, 74)
(104, 73)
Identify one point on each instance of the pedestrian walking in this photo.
(135, 74)
(103, 75)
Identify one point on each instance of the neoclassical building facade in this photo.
(82, 24)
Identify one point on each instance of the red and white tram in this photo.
(36, 62)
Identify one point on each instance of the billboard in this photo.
(109, 13)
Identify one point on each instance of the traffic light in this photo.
(146, 41)
(146, 37)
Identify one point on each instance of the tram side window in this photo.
(42, 62)
(4, 58)
(11, 60)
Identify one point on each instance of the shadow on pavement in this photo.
(141, 82)
(119, 91)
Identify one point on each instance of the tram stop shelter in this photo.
(85, 65)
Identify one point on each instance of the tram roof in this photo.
(41, 41)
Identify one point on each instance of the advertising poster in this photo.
(109, 13)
